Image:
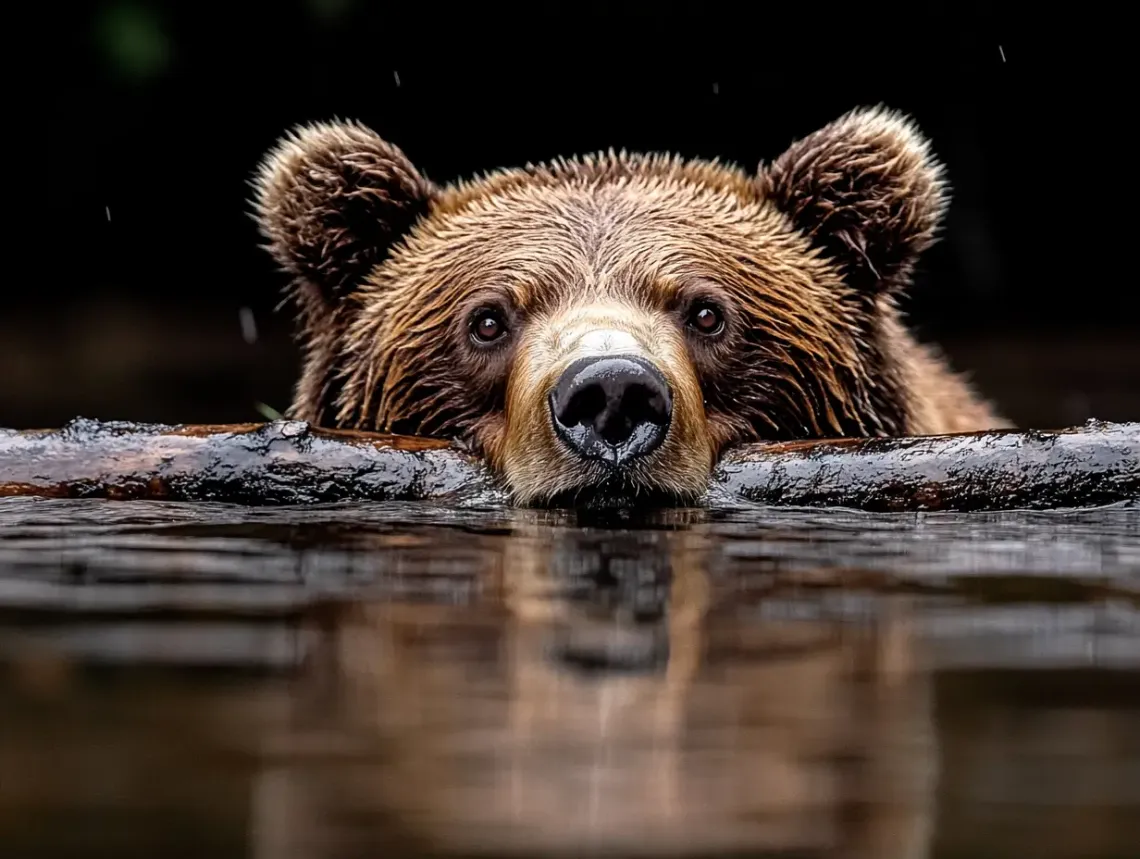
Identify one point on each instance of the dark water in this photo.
(204, 680)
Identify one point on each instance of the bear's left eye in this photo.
(706, 318)
(487, 326)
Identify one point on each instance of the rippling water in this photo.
(367, 680)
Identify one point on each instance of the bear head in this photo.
(605, 326)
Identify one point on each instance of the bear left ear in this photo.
(331, 199)
(867, 190)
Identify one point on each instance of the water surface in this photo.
(403, 679)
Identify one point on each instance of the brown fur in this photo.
(806, 258)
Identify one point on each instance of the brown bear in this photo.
(605, 326)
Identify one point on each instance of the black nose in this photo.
(613, 409)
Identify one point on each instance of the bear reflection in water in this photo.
(609, 695)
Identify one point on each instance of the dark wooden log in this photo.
(284, 462)
(291, 462)
(1087, 466)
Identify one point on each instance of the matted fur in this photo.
(868, 189)
(331, 199)
(806, 258)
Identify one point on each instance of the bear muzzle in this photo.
(604, 406)
(611, 408)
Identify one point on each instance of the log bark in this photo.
(1086, 466)
(284, 462)
(291, 462)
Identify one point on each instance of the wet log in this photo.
(291, 462)
(283, 462)
(1086, 466)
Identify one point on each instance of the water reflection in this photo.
(606, 694)
(520, 683)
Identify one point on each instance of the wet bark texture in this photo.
(284, 462)
(1090, 465)
(291, 462)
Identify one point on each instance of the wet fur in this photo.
(808, 256)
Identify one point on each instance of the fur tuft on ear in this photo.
(867, 189)
(331, 199)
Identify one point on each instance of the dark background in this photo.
(142, 256)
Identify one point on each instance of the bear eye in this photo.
(706, 318)
(487, 326)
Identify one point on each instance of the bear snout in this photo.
(613, 408)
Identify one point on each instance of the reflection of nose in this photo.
(591, 646)
(614, 409)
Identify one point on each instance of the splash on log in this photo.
(291, 462)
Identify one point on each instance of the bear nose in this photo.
(613, 409)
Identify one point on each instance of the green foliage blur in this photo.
(136, 45)
(133, 42)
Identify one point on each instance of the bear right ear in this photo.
(331, 199)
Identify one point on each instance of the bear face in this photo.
(606, 326)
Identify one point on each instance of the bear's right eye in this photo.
(487, 326)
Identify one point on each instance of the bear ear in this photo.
(867, 190)
(331, 199)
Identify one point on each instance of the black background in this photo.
(140, 254)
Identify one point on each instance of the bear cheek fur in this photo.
(534, 460)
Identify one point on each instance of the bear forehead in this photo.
(606, 222)
(664, 177)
